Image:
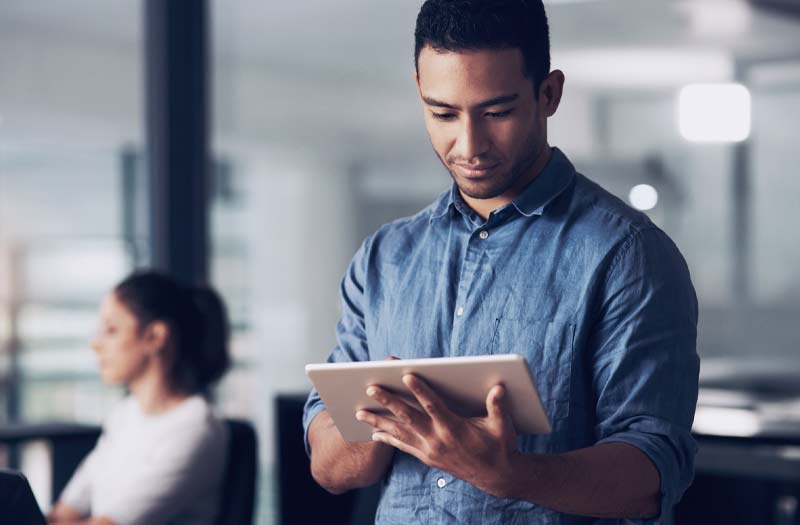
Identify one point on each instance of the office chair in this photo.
(239, 482)
(301, 500)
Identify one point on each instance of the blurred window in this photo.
(72, 196)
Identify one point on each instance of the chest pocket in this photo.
(547, 347)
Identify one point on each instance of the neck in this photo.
(484, 207)
(154, 394)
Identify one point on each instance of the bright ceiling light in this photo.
(714, 112)
(643, 197)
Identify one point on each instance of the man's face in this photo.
(483, 119)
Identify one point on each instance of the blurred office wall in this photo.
(71, 208)
(318, 139)
(70, 116)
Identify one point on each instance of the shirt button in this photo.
(441, 483)
(484, 235)
(460, 311)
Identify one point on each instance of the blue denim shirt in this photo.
(595, 297)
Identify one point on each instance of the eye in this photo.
(442, 116)
(499, 114)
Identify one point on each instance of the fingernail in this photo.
(359, 415)
(371, 391)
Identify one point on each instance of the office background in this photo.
(309, 115)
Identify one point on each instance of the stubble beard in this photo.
(502, 182)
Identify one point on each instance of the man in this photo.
(522, 255)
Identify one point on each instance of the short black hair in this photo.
(198, 323)
(471, 25)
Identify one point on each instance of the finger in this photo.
(388, 439)
(401, 410)
(497, 408)
(495, 402)
(367, 417)
(429, 400)
(384, 424)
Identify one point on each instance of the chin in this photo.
(480, 191)
(487, 187)
(109, 378)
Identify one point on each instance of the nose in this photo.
(472, 142)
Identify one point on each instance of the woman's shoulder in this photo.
(192, 419)
(197, 410)
(195, 416)
(192, 430)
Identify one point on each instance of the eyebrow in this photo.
(496, 101)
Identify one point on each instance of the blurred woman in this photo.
(162, 453)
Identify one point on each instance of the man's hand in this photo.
(479, 450)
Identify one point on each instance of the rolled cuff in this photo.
(672, 452)
(313, 407)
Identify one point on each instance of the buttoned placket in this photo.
(470, 267)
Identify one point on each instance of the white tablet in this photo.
(463, 381)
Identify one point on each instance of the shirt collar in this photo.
(442, 205)
(554, 179)
(556, 176)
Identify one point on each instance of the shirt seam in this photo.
(625, 247)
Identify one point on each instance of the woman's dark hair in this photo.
(197, 321)
(471, 25)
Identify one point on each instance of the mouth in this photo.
(475, 172)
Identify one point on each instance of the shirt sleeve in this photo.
(351, 334)
(77, 494)
(645, 363)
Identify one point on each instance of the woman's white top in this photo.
(154, 469)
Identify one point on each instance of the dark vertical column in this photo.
(129, 199)
(14, 349)
(740, 192)
(741, 213)
(177, 135)
(601, 124)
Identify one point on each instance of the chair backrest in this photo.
(239, 483)
(300, 499)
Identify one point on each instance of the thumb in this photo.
(497, 405)
(498, 411)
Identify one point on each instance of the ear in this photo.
(156, 336)
(550, 92)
